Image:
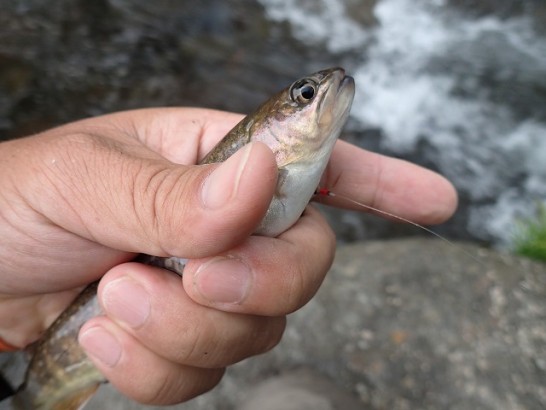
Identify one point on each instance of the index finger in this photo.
(388, 184)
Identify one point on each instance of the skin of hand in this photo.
(82, 199)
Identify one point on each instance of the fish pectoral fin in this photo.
(76, 401)
(281, 179)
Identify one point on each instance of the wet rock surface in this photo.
(72, 59)
(405, 324)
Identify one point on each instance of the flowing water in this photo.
(462, 93)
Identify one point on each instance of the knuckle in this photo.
(152, 203)
(198, 344)
(330, 249)
(260, 336)
(266, 334)
(296, 288)
(277, 327)
(246, 336)
(157, 390)
(306, 276)
(330, 238)
(169, 196)
(180, 385)
(165, 195)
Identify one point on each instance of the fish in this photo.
(301, 125)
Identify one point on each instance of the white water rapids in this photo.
(420, 80)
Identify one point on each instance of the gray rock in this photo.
(421, 324)
(405, 324)
(301, 389)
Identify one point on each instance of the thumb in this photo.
(141, 203)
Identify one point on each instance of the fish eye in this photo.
(303, 91)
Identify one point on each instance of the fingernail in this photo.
(101, 344)
(223, 182)
(127, 301)
(223, 280)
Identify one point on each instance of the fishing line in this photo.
(327, 192)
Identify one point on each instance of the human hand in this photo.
(387, 184)
(81, 199)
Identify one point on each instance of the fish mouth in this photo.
(346, 81)
(346, 86)
(337, 103)
(343, 81)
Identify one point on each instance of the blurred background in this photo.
(458, 86)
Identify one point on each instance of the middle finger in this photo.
(151, 304)
(266, 276)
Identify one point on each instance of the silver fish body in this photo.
(301, 125)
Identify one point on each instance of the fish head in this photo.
(304, 120)
(301, 125)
